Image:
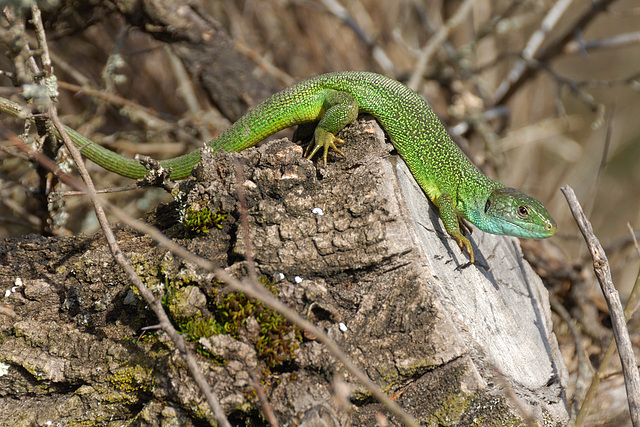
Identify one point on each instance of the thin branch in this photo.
(634, 238)
(120, 189)
(603, 161)
(618, 321)
(135, 111)
(630, 308)
(532, 48)
(436, 41)
(583, 365)
(630, 80)
(42, 40)
(619, 40)
(533, 53)
(264, 401)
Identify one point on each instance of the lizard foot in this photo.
(465, 246)
(326, 140)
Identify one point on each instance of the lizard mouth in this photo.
(530, 230)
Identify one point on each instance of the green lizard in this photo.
(450, 180)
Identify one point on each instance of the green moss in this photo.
(147, 337)
(171, 297)
(199, 327)
(132, 379)
(275, 342)
(277, 339)
(450, 411)
(148, 270)
(473, 410)
(86, 423)
(200, 221)
(198, 410)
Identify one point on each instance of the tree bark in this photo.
(373, 267)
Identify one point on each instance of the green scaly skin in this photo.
(334, 100)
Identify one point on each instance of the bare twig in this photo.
(620, 332)
(42, 40)
(634, 299)
(634, 238)
(583, 365)
(103, 191)
(630, 308)
(264, 402)
(619, 40)
(534, 53)
(532, 47)
(603, 161)
(435, 41)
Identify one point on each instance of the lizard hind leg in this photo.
(326, 140)
(304, 134)
(341, 108)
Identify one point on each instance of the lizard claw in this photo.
(326, 140)
(465, 227)
(465, 246)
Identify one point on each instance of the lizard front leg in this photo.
(451, 224)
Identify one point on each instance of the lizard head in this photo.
(513, 213)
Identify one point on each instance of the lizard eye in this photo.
(522, 210)
(487, 206)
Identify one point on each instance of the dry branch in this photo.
(535, 53)
(620, 331)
